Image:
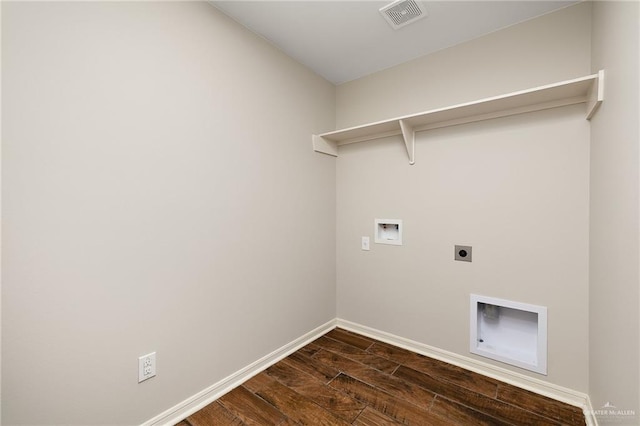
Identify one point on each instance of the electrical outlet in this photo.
(146, 367)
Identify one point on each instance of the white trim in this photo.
(568, 396)
(589, 414)
(203, 398)
(198, 401)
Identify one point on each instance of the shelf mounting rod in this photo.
(324, 146)
(595, 95)
(409, 136)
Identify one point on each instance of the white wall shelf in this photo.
(587, 90)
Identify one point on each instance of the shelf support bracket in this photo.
(595, 95)
(409, 136)
(324, 146)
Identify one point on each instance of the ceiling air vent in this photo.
(403, 12)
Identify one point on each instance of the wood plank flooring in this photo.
(344, 378)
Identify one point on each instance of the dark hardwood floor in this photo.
(344, 378)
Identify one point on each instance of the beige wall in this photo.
(516, 189)
(614, 365)
(158, 195)
(551, 48)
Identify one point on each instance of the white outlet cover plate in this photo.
(146, 366)
(365, 243)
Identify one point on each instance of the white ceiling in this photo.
(345, 40)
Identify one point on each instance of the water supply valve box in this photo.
(388, 231)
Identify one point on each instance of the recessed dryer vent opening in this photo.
(511, 332)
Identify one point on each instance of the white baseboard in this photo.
(215, 391)
(203, 398)
(589, 414)
(532, 384)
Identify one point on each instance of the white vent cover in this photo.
(403, 12)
